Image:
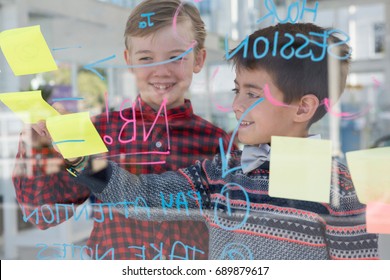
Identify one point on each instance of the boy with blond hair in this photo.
(164, 48)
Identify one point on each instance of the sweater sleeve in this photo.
(346, 233)
(168, 196)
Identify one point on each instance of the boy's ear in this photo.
(307, 107)
(127, 57)
(200, 58)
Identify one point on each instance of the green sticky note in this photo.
(75, 135)
(28, 105)
(26, 51)
(300, 168)
(370, 172)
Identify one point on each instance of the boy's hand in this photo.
(99, 164)
(41, 129)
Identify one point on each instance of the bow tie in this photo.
(254, 156)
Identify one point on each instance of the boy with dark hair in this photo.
(159, 133)
(243, 220)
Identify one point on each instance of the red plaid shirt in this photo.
(188, 138)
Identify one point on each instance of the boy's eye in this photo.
(145, 58)
(175, 58)
(252, 95)
(235, 90)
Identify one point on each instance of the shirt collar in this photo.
(254, 156)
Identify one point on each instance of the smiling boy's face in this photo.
(171, 80)
(265, 119)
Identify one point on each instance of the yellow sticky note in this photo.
(75, 135)
(378, 217)
(28, 105)
(26, 51)
(370, 172)
(300, 168)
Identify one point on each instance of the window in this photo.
(379, 37)
(205, 7)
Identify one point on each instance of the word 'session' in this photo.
(288, 51)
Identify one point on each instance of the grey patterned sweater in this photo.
(244, 221)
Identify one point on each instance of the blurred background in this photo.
(80, 32)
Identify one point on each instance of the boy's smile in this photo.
(164, 80)
(163, 87)
(265, 119)
(245, 123)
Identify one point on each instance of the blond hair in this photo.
(164, 13)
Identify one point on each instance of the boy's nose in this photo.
(161, 70)
(238, 105)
